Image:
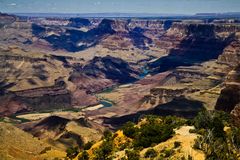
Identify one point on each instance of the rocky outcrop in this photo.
(65, 131)
(86, 33)
(230, 95)
(98, 74)
(110, 68)
(102, 72)
(229, 98)
(6, 19)
(193, 43)
(231, 54)
(236, 114)
(164, 94)
(20, 58)
(58, 89)
(38, 99)
(79, 22)
(180, 106)
(74, 40)
(52, 123)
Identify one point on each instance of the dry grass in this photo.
(16, 144)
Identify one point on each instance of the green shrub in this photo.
(88, 145)
(129, 130)
(218, 127)
(235, 136)
(177, 144)
(190, 157)
(214, 141)
(83, 156)
(105, 150)
(154, 133)
(72, 152)
(150, 153)
(202, 120)
(168, 152)
(132, 154)
(174, 121)
(107, 134)
(210, 120)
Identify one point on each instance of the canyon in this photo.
(110, 71)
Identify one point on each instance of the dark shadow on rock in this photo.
(113, 68)
(53, 123)
(79, 22)
(228, 99)
(31, 81)
(139, 39)
(4, 86)
(37, 30)
(200, 45)
(167, 24)
(75, 40)
(40, 72)
(70, 139)
(180, 107)
(108, 67)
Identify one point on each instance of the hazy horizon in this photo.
(124, 6)
(122, 13)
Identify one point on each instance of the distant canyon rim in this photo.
(112, 70)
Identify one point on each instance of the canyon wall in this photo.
(93, 54)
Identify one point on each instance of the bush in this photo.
(190, 157)
(132, 154)
(107, 134)
(217, 127)
(177, 144)
(152, 134)
(150, 153)
(235, 136)
(215, 142)
(202, 120)
(129, 130)
(174, 121)
(72, 152)
(168, 152)
(210, 120)
(88, 145)
(104, 151)
(155, 130)
(198, 143)
(83, 156)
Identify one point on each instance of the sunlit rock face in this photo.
(230, 95)
(231, 54)
(229, 98)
